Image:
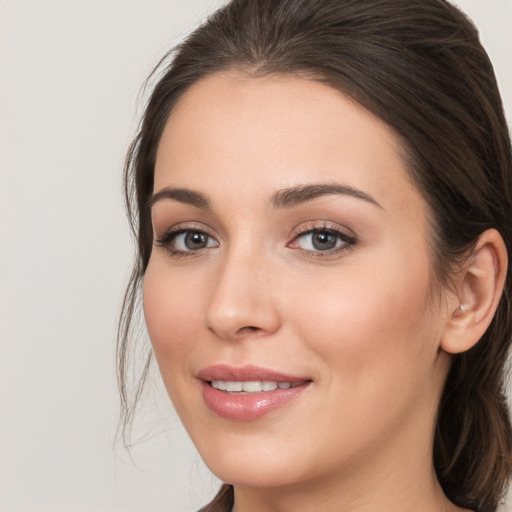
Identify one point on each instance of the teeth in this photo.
(219, 384)
(234, 386)
(269, 385)
(252, 386)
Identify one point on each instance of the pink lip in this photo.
(225, 372)
(250, 406)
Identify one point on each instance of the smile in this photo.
(248, 393)
(252, 386)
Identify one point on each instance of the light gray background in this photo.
(70, 77)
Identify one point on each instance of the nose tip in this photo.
(244, 321)
(241, 306)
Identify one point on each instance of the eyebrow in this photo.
(183, 195)
(285, 198)
(302, 193)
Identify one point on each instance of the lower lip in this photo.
(250, 406)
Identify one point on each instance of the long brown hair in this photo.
(419, 66)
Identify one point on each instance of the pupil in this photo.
(323, 240)
(195, 240)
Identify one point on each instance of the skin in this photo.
(361, 323)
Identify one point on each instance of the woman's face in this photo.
(288, 294)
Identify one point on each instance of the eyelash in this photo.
(347, 241)
(167, 239)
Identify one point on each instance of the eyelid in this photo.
(180, 227)
(312, 226)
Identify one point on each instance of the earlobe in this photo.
(480, 286)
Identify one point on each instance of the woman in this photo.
(321, 193)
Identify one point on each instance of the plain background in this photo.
(71, 73)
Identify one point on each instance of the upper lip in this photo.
(245, 373)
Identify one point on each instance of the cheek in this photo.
(372, 333)
(368, 320)
(171, 311)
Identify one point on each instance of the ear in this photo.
(479, 286)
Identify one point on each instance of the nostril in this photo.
(248, 329)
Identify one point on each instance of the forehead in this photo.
(278, 131)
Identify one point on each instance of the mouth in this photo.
(253, 386)
(249, 392)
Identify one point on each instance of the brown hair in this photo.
(419, 66)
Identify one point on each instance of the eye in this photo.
(319, 241)
(324, 240)
(184, 241)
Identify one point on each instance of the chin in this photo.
(253, 475)
(255, 467)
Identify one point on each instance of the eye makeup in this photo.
(313, 239)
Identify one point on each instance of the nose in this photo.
(243, 303)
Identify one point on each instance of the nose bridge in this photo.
(241, 303)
